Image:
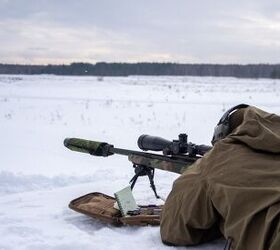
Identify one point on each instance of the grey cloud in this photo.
(173, 30)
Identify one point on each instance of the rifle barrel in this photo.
(104, 149)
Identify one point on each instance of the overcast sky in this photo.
(185, 31)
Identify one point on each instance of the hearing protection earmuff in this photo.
(223, 128)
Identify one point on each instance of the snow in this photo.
(39, 176)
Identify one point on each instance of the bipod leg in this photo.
(133, 181)
(151, 175)
(139, 171)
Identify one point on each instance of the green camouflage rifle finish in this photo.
(88, 147)
(178, 168)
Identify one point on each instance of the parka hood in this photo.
(259, 130)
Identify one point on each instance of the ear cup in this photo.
(223, 127)
(220, 132)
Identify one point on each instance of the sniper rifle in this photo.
(178, 155)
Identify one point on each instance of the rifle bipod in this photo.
(141, 170)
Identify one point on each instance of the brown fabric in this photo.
(234, 189)
(101, 207)
(141, 220)
(98, 206)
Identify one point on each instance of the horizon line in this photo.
(140, 62)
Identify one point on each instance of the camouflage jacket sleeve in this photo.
(188, 217)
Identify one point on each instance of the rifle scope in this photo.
(175, 147)
(154, 143)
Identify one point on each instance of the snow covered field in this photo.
(39, 176)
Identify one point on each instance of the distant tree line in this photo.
(151, 69)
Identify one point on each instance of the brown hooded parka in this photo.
(234, 189)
